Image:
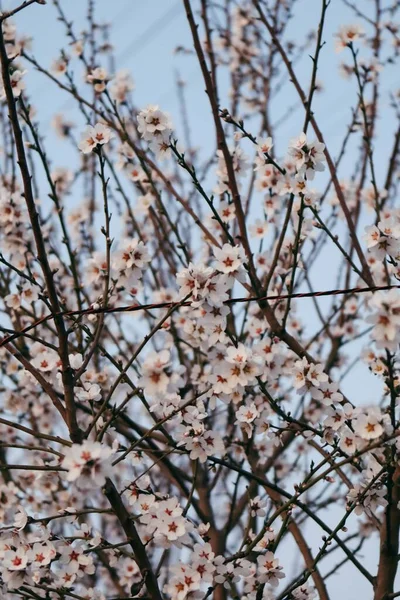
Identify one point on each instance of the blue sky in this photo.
(145, 35)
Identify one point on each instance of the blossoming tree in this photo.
(173, 420)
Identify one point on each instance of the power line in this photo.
(139, 43)
(119, 18)
(136, 307)
(148, 34)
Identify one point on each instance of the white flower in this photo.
(184, 583)
(307, 375)
(94, 136)
(97, 268)
(241, 164)
(257, 507)
(132, 258)
(348, 34)
(226, 211)
(348, 441)
(90, 393)
(17, 84)
(208, 443)
(327, 393)
(230, 259)
(259, 229)
(247, 413)
(155, 127)
(59, 66)
(154, 123)
(45, 361)
(77, 48)
(89, 464)
(335, 418)
(66, 575)
(98, 77)
(154, 376)
(383, 239)
(308, 156)
(13, 301)
(367, 426)
(74, 557)
(367, 501)
(144, 502)
(41, 554)
(75, 360)
(241, 367)
(173, 527)
(375, 498)
(192, 280)
(264, 145)
(386, 319)
(121, 85)
(225, 572)
(15, 560)
(20, 519)
(269, 570)
(390, 227)
(128, 572)
(372, 236)
(203, 284)
(304, 592)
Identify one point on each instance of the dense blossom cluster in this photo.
(173, 416)
(155, 127)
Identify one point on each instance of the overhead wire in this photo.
(152, 31)
(136, 307)
(137, 45)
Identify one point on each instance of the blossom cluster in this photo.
(199, 364)
(155, 127)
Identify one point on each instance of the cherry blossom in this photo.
(347, 35)
(17, 83)
(94, 136)
(308, 156)
(269, 570)
(200, 328)
(98, 77)
(88, 464)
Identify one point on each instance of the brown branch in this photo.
(35, 434)
(389, 548)
(135, 542)
(304, 549)
(14, 11)
(67, 372)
